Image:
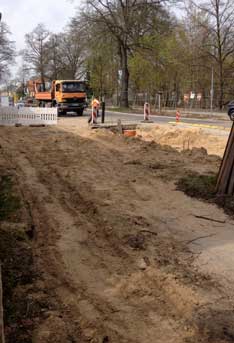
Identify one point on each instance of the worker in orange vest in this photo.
(94, 112)
(96, 103)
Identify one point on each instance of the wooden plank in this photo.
(225, 157)
(114, 126)
(225, 172)
(2, 339)
(231, 181)
(230, 189)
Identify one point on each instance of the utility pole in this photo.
(212, 89)
(103, 109)
(159, 101)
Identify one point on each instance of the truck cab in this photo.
(66, 95)
(69, 96)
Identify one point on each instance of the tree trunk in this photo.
(221, 86)
(220, 51)
(42, 81)
(124, 77)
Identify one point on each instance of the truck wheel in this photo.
(60, 112)
(80, 112)
(42, 104)
(54, 103)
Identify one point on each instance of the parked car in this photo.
(20, 104)
(231, 110)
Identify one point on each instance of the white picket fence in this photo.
(28, 116)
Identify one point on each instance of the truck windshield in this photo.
(43, 87)
(73, 87)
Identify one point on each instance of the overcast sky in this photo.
(23, 15)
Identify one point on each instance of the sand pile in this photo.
(185, 138)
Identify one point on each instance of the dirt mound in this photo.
(184, 138)
(114, 238)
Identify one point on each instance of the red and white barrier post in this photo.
(178, 115)
(146, 111)
(94, 115)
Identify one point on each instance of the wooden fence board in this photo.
(225, 181)
(231, 182)
(2, 339)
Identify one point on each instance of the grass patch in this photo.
(199, 186)
(203, 187)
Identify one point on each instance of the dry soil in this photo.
(116, 245)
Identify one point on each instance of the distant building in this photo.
(6, 100)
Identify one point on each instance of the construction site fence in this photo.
(10, 116)
(161, 102)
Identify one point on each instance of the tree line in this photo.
(124, 47)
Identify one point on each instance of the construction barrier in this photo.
(178, 115)
(146, 111)
(94, 115)
(129, 133)
(10, 116)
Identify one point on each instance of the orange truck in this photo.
(66, 95)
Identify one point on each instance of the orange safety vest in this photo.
(95, 103)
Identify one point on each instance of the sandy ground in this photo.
(122, 250)
(182, 138)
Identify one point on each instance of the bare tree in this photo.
(72, 55)
(6, 49)
(21, 78)
(128, 21)
(55, 58)
(217, 18)
(36, 51)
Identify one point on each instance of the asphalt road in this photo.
(132, 117)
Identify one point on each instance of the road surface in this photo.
(134, 117)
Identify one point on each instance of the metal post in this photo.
(159, 103)
(103, 111)
(212, 89)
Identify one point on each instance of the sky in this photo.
(22, 16)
